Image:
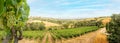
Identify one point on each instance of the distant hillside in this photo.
(51, 22)
(60, 21)
(47, 24)
(106, 20)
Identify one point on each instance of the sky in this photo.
(70, 9)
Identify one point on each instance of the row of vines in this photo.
(70, 33)
(58, 34)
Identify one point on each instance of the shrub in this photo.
(113, 29)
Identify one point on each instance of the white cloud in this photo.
(88, 10)
(30, 1)
(76, 13)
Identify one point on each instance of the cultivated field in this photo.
(79, 33)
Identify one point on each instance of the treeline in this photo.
(34, 26)
(89, 23)
(113, 29)
(77, 24)
(83, 24)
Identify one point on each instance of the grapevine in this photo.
(13, 15)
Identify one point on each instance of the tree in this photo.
(41, 26)
(85, 23)
(66, 25)
(113, 28)
(13, 15)
(99, 23)
(34, 26)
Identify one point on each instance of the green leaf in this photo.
(1, 7)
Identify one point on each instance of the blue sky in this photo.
(73, 8)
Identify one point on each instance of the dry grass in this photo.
(29, 41)
(47, 24)
(106, 20)
(100, 38)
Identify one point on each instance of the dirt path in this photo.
(28, 41)
(50, 39)
(92, 37)
(44, 39)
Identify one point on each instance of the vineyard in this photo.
(33, 34)
(74, 32)
(55, 21)
(57, 34)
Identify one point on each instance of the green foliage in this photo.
(1, 7)
(13, 15)
(35, 26)
(113, 29)
(34, 34)
(86, 23)
(55, 27)
(57, 34)
(99, 24)
(29, 34)
(66, 25)
(1, 35)
(74, 32)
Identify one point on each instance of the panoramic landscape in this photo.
(59, 21)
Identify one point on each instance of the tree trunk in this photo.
(12, 36)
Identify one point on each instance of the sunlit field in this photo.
(59, 21)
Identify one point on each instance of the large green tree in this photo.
(13, 15)
(113, 29)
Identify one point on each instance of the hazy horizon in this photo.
(72, 9)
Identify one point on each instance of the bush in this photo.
(113, 29)
(35, 26)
